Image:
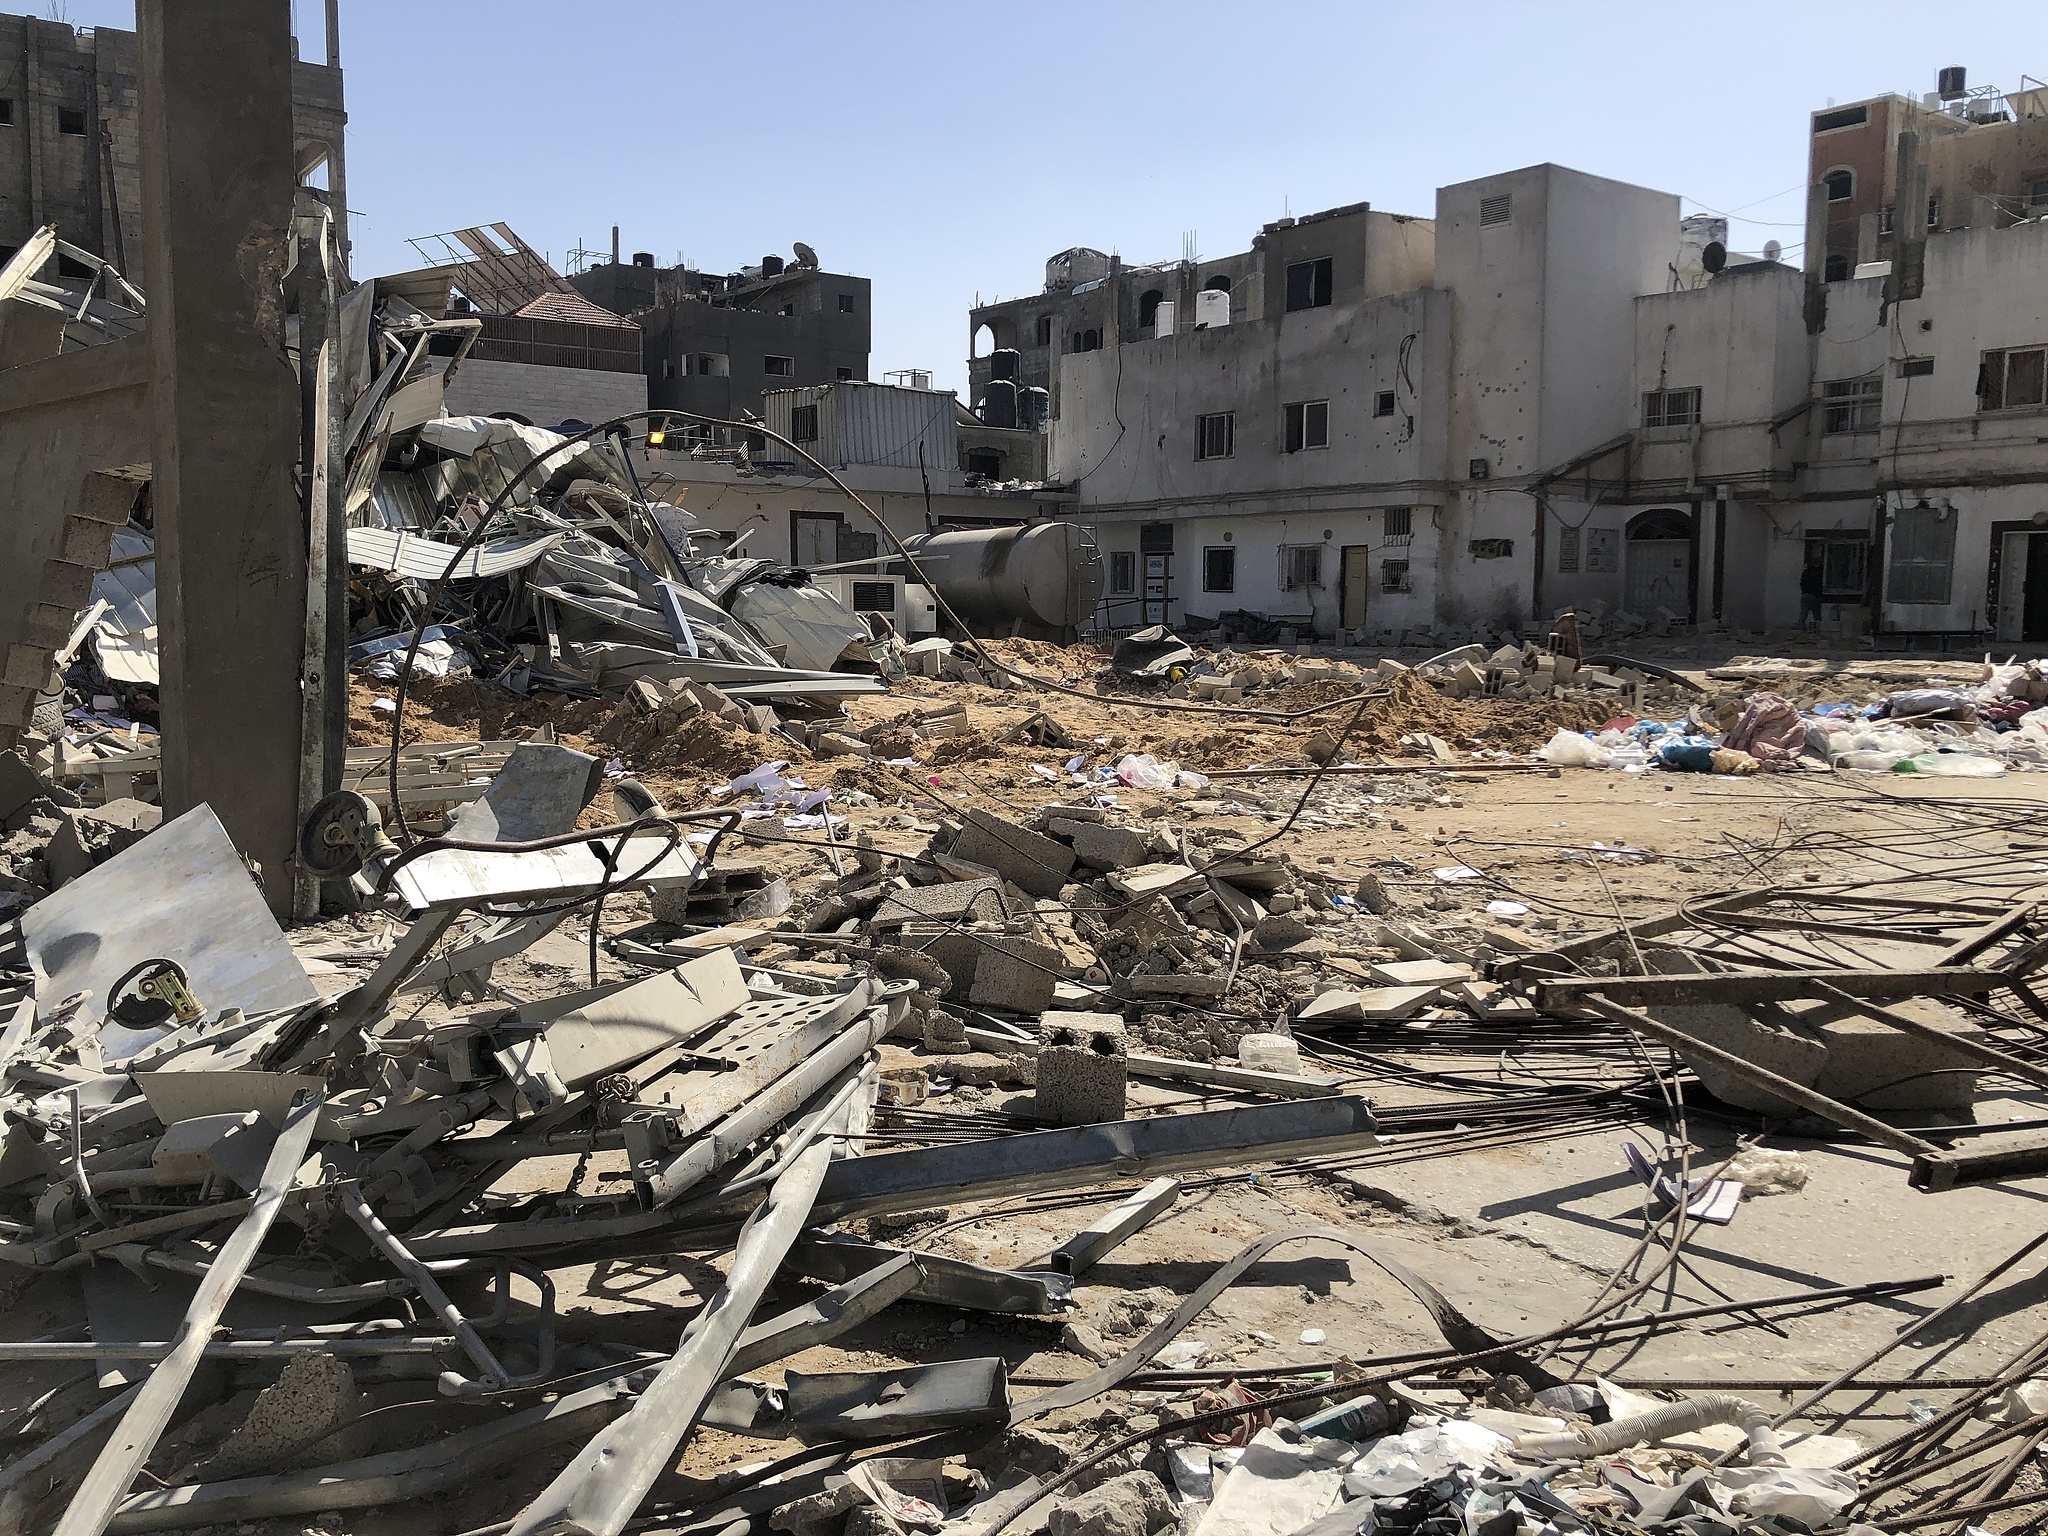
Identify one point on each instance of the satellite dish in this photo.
(1773, 250)
(805, 256)
(1714, 256)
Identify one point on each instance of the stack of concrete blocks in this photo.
(1083, 1065)
(1028, 860)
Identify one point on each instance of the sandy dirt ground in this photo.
(1520, 1237)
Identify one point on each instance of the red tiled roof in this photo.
(572, 307)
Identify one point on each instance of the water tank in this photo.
(1034, 409)
(1212, 309)
(999, 405)
(1951, 83)
(1045, 574)
(1003, 363)
(643, 258)
(771, 266)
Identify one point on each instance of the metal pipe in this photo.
(495, 1377)
(144, 1422)
(598, 1492)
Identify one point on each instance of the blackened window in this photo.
(1045, 330)
(2012, 378)
(1123, 571)
(985, 461)
(1308, 425)
(842, 373)
(1219, 568)
(803, 424)
(1844, 117)
(1851, 405)
(778, 367)
(1308, 283)
(1399, 523)
(846, 303)
(1216, 436)
(6, 112)
(71, 120)
(1841, 184)
(1383, 403)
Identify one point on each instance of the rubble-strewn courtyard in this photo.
(1306, 947)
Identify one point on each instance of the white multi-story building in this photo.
(1554, 393)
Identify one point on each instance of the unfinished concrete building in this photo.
(70, 149)
(715, 343)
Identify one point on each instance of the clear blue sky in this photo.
(946, 149)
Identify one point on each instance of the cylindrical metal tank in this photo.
(771, 266)
(1004, 362)
(1049, 575)
(999, 405)
(1034, 406)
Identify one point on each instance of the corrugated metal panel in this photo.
(872, 423)
(884, 424)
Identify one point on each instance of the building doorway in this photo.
(2022, 584)
(1659, 571)
(1354, 575)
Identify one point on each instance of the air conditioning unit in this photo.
(909, 608)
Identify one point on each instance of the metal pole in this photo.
(131, 1444)
(598, 1492)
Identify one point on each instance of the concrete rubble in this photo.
(1031, 983)
(702, 1060)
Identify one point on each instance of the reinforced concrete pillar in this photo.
(217, 190)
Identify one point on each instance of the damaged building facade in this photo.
(70, 146)
(715, 342)
(1560, 393)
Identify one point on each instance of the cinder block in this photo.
(1014, 973)
(1083, 1067)
(949, 902)
(66, 584)
(47, 625)
(1101, 847)
(28, 666)
(86, 542)
(17, 706)
(1027, 860)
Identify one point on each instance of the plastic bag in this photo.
(1142, 770)
(1568, 749)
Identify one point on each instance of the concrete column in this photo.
(217, 190)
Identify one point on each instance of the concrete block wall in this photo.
(544, 396)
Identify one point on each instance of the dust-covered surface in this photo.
(1493, 1182)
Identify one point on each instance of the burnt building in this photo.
(70, 153)
(715, 343)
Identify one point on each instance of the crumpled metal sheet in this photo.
(181, 893)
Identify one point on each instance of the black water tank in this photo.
(999, 405)
(771, 266)
(1003, 363)
(643, 258)
(1033, 407)
(1951, 83)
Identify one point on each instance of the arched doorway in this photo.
(1659, 573)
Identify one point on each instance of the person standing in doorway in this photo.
(1810, 582)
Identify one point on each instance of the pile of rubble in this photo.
(296, 1206)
